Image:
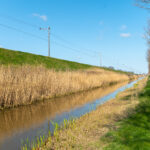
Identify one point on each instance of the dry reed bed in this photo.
(26, 84)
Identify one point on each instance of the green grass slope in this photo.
(10, 57)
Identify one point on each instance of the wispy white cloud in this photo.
(125, 35)
(123, 27)
(43, 17)
(1, 46)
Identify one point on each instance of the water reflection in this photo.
(18, 120)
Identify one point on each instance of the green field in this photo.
(12, 57)
(133, 132)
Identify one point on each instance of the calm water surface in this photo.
(30, 121)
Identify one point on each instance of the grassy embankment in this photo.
(11, 57)
(87, 131)
(26, 78)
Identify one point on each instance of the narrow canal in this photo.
(18, 124)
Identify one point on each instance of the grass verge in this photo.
(133, 133)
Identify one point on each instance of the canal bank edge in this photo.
(85, 133)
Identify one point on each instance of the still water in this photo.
(30, 121)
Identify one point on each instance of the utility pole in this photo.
(47, 29)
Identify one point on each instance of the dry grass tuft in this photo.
(26, 84)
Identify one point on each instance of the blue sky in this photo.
(88, 31)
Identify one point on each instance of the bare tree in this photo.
(146, 5)
(143, 4)
(148, 60)
(147, 33)
(147, 37)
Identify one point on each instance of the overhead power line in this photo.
(47, 29)
(18, 20)
(37, 27)
(57, 43)
(44, 39)
(70, 48)
(24, 32)
(73, 49)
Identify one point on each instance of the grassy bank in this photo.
(85, 132)
(27, 84)
(11, 57)
(133, 133)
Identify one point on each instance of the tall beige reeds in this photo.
(26, 84)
